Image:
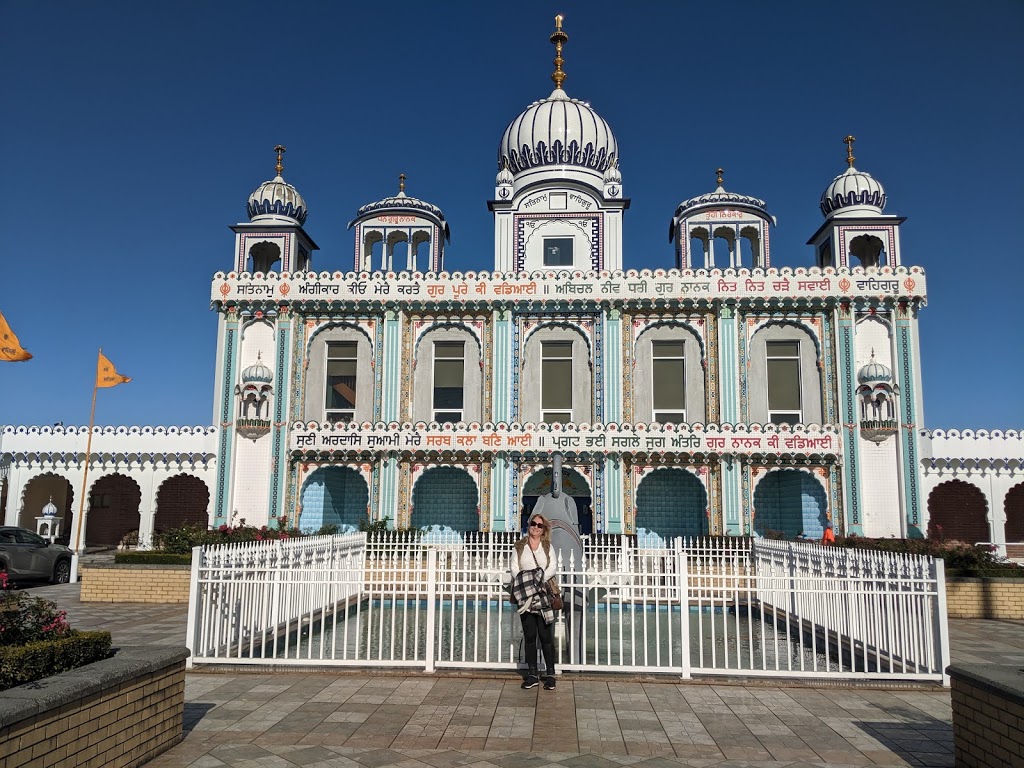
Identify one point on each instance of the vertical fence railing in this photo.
(687, 606)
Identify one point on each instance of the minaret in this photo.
(856, 233)
(558, 192)
(274, 239)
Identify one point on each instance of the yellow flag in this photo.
(107, 375)
(10, 348)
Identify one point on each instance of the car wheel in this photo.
(62, 572)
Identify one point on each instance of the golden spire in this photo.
(720, 171)
(559, 38)
(849, 150)
(280, 156)
(401, 183)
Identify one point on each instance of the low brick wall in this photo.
(972, 598)
(135, 584)
(120, 712)
(988, 714)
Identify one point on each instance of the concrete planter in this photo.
(135, 583)
(119, 712)
(984, 598)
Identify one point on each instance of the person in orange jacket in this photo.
(829, 536)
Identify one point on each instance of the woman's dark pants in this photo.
(534, 627)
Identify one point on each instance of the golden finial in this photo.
(401, 183)
(280, 156)
(849, 150)
(559, 38)
(720, 171)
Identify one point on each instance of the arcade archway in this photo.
(445, 497)
(334, 496)
(672, 502)
(113, 510)
(790, 502)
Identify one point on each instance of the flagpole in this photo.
(85, 479)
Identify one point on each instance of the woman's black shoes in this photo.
(531, 681)
(549, 684)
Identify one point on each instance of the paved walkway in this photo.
(372, 720)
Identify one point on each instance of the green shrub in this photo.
(153, 558)
(25, 619)
(961, 558)
(21, 664)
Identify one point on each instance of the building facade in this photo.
(721, 396)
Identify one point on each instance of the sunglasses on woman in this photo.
(536, 525)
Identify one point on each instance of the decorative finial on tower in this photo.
(849, 150)
(401, 183)
(559, 38)
(720, 171)
(280, 156)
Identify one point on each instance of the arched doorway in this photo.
(40, 490)
(957, 511)
(573, 484)
(1014, 508)
(671, 502)
(790, 502)
(445, 497)
(334, 496)
(181, 500)
(113, 510)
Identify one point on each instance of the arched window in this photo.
(668, 378)
(448, 383)
(263, 256)
(556, 380)
(339, 376)
(784, 382)
(868, 250)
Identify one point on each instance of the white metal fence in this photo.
(694, 607)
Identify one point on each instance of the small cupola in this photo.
(257, 373)
(740, 221)
(387, 227)
(853, 192)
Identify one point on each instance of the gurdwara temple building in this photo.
(721, 396)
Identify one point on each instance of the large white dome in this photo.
(558, 131)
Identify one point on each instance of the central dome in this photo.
(558, 131)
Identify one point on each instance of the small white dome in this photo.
(719, 198)
(853, 193)
(613, 175)
(504, 175)
(257, 373)
(50, 510)
(403, 203)
(558, 131)
(276, 199)
(874, 373)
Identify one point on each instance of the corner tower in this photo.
(558, 194)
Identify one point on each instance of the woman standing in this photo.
(533, 564)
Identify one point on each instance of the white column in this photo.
(15, 488)
(147, 512)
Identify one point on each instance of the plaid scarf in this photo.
(531, 594)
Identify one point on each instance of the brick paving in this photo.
(373, 719)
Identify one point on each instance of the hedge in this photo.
(152, 558)
(21, 664)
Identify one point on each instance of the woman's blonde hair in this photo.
(546, 536)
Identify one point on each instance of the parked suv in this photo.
(25, 555)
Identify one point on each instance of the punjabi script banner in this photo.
(655, 438)
(573, 287)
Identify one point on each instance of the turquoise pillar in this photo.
(728, 367)
(849, 419)
(391, 365)
(906, 375)
(279, 429)
(387, 503)
(613, 495)
(503, 508)
(502, 367)
(732, 497)
(613, 366)
(225, 407)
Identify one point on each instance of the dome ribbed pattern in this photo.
(853, 189)
(277, 198)
(874, 372)
(558, 131)
(257, 373)
(399, 202)
(719, 198)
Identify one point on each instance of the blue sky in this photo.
(133, 134)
